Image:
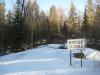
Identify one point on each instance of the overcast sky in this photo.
(46, 4)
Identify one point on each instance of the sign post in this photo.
(70, 58)
(81, 59)
(75, 44)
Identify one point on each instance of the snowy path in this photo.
(45, 61)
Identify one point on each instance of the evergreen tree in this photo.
(65, 30)
(72, 21)
(90, 16)
(18, 25)
(2, 25)
(8, 30)
(96, 27)
(85, 24)
(2, 13)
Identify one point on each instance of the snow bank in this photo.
(54, 45)
(94, 56)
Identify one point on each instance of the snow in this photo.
(49, 60)
(94, 56)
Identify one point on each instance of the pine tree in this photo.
(90, 16)
(18, 25)
(96, 27)
(2, 25)
(2, 12)
(65, 30)
(85, 24)
(72, 21)
(8, 29)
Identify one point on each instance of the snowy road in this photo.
(46, 61)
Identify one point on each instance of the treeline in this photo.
(26, 26)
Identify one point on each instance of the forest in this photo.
(26, 26)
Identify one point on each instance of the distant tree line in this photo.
(26, 26)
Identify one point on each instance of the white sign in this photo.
(76, 44)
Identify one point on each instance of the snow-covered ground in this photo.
(49, 60)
